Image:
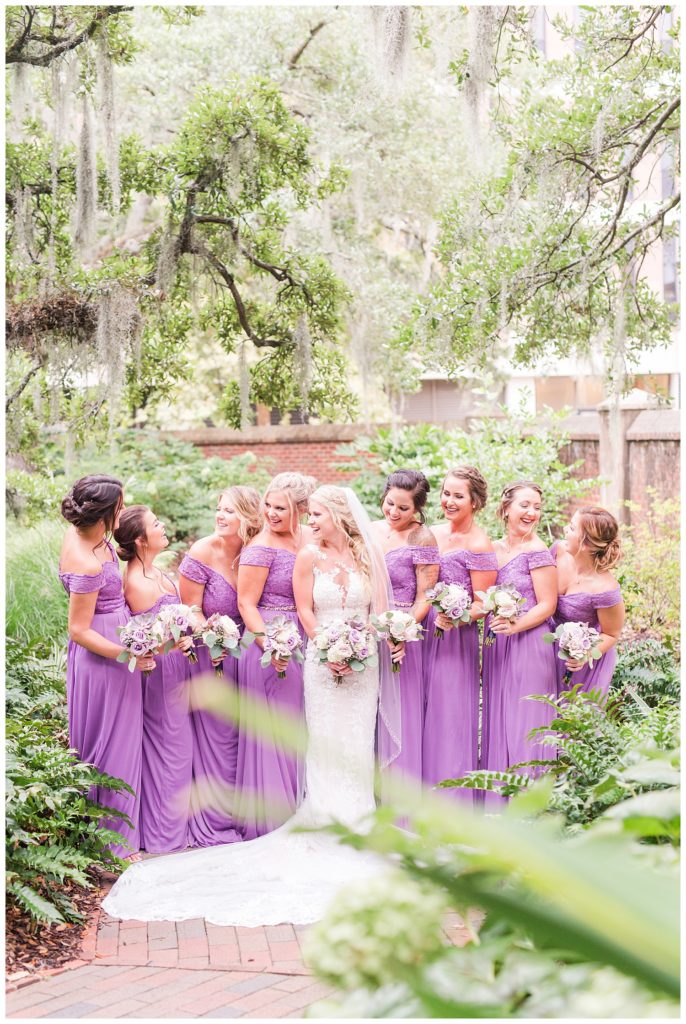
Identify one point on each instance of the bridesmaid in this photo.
(413, 563)
(452, 673)
(588, 592)
(269, 777)
(104, 699)
(167, 733)
(519, 663)
(208, 579)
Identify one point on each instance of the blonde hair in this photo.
(600, 533)
(335, 502)
(297, 488)
(248, 505)
(508, 495)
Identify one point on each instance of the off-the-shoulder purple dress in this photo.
(215, 740)
(401, 562)
(167, 750)
(105, 702)
(268, 775)
(514, 667)
(451, 723)
(582, 607)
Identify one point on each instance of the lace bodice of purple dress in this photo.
(457, 565)
(401, 564)
(582, 607)
(162, 599)
(218, 595)
(517, 572)
(107, 582)
(278, 588)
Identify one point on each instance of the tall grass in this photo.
(35, 599)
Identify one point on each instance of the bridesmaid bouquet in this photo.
(349, 642)
(577, 642)
(175, 620)
(451, 599)
(504, 601)
(141, 635)
(220, 634)
(401, 627)
(281, 639)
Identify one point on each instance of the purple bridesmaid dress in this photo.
(105, 703)
(167, 750)
(268, 774)
(215, 740)
(451, 720)
(582, 608)
(514, 667)
(401, 564)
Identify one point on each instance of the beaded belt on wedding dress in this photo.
(279, 608)
(403, 604)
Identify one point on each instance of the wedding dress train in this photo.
(285, 876)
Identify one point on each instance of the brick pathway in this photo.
(188, 969)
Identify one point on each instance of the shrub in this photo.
(53, 832)
(650, 569)
(502, 449)
(175, 479)
(32, 497)
(36, 601)
(645, 667)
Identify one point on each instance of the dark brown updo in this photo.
(91, 499)
(600, 531)
(131, 527)
(412, 481)
(478, 488)
(508, 495)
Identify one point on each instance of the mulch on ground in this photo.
(35, 948)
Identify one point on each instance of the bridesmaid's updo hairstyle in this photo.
(335, 502)
(297, 489)
(478, 488)
(91, 499)
(248, 506)
(508, 496)
(412, 481)
(600, 532)
(131, 527)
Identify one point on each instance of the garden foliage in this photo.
(650, 570)
(503, 449)
(54, 832)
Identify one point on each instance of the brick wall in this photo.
(652, 440)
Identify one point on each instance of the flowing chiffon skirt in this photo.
(451, 721)
(167, 756)
(105, 705)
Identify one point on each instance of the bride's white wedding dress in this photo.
(285, 876)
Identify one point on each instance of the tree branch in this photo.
(295, 57)
(14, 54)
(657, 11)
(28, 376)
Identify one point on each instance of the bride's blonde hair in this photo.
(335, 501)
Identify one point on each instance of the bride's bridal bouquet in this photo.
(221, 636)
(503, 601)
(452, 600)
(399, 627)
(350, 642)
(175, 620)
(577, 642)
(142, 634)
(282, 640)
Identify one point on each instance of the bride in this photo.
(289, 875)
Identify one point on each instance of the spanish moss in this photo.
(482, 24)
(108, 120)
(86, 180)
(392, 33)
(303, 361)
(244, 386)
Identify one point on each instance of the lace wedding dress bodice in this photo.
(286, 876)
